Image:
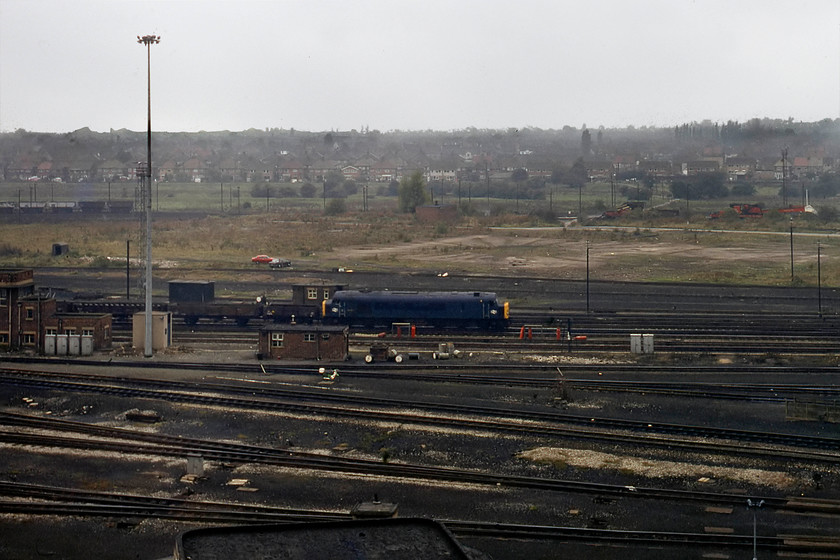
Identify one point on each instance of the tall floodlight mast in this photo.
(148, 40)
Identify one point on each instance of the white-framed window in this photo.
(309, 337)
(87, 332)
(29, 339)
(311, 293)
(71, 330)
(326, 293)
(30, 313)
(276, 340)
(50, 330)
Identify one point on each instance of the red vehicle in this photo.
(262, 259)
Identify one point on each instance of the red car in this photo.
(262, 259)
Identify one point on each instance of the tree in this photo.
(557, 176)
(577, 175)
(704, 186)
(586, 142)
(262, 190)
(828, 185)
(680, 189)
(307, 190)
(332, 182)
(711, 185)
(350, 187)
(412, 192)
(519, 175)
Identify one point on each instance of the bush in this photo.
(335, 207)
(544, 214)
(307, 190)
(743, 189)
(7, 250)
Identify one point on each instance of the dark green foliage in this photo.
(519, 175)
(577, 176)
(828, 185)
(308, 190)
(332, 184)
(335, 207)
(263, 190)
(413, 192)
(350, 188)
(743, 189)
(704, 186)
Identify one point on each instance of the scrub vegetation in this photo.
(638, 246)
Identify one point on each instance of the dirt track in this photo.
(543, 252)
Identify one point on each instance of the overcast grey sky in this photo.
(415, 64)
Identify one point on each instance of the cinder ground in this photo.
(111, 539)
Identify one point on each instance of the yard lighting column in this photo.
(819, 279)
(754, 506)
(587, 277)
(148, 41)
(791, 251)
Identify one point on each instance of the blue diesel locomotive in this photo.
(444, 310)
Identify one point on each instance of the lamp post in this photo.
(754, 506)
(148, 41)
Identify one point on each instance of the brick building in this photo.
(18, 325)
(27, 318)
(304, 342)
(76, 334)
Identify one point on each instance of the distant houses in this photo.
(273, 155)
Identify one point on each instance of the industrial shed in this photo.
(304, 342)
(76, 334)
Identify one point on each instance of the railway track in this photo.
(522, 374)
(533, 291)
(594, 342)
(29, 499)
(456, 416)
(34, 499)
(703, 320)
(539, 330)
(145, 444)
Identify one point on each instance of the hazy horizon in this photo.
(412, 65)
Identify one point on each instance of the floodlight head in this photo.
(148, 39)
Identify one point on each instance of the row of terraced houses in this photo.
(372, 169)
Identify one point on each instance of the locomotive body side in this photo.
(468, 310)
